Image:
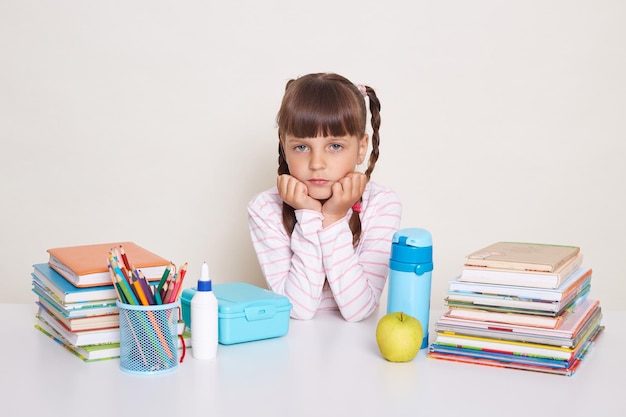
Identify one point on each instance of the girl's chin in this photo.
(320, 196)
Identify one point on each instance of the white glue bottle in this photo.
(204, 318)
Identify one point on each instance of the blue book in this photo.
(65, 291)
(74, 310)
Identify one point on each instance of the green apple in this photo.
(399, 336)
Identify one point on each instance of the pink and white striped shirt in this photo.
(319, 269)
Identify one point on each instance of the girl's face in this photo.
(321, 161)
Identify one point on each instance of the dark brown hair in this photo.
(326, 104)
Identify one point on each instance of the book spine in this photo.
(570, 268)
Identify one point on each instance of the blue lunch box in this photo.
(245, 312)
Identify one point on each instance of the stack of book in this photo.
(522, 306)
(77, 300)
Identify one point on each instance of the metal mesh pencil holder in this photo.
(148, 338)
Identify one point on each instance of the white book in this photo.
(79, 338)
(479, 300)
(577, 279)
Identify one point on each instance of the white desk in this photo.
(325, 366)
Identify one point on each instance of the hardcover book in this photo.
(522, 256)
(499, 359)
(75, 310)
(97, 352)
(80, 337)
(87, 353)
(67, 292)
(522, 278)
(93, 322)
(524, 302)
(87, 265)
(577, 280)
(513, 304)
(574, 324)
(547, 321)
(514, 347)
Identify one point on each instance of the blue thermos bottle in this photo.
(410, 274)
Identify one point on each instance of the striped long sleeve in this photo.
(319, 269)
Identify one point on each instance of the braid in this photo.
(289, 214)
(283, 168)
(355, 219)
(355, 227)
(375, 121)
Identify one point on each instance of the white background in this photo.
(154, 122)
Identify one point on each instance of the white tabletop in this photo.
(324, 366)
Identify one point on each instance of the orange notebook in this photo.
(87, 265)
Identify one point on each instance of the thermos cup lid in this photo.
(420, 238)
(412, 251)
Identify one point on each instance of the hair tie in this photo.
(357, 207)
(362, 89)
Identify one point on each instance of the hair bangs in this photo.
(319, 108)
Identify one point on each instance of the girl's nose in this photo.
(316, 161)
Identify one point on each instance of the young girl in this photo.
(323, 234)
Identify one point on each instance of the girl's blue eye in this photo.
(336, 147)
(300, 148)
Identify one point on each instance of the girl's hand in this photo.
(296, 194)
(346, 192)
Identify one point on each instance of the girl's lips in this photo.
(318, 181)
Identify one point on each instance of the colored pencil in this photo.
(145, 287)
(166, 274)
